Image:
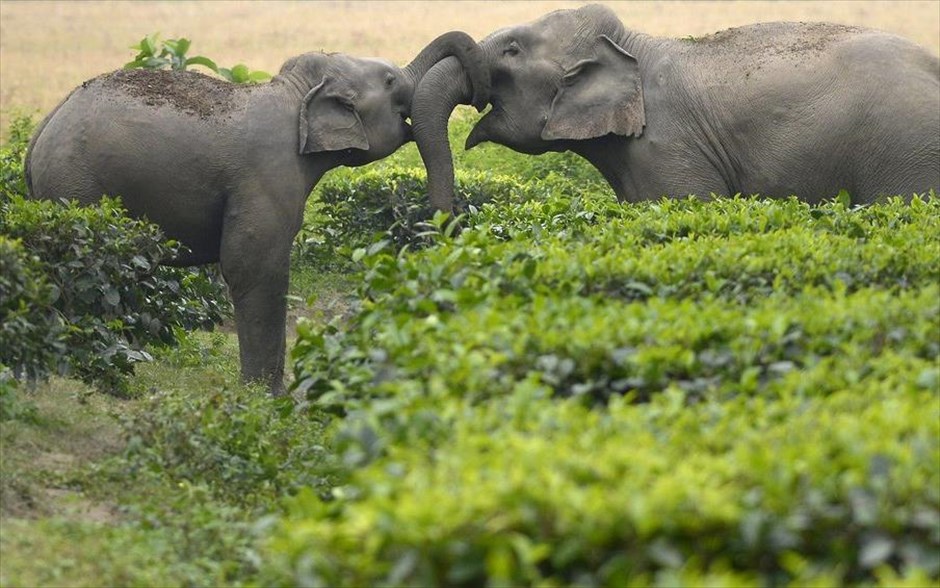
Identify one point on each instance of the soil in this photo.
(42, 460)
(188, 91)
(777, 38)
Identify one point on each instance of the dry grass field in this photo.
(47, 48)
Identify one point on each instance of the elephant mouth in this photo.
(407, 130)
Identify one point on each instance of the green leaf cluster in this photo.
(572, 391)
(352, 211)
(106, 286)
(171, 54)
(32, 335)
(13, 156)
(240, 447)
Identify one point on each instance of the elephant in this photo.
(225, 169)
(776, 109)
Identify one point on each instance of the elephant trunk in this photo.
(440, 91)
(460, 45)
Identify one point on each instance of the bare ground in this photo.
(48, 48)
(41, 459)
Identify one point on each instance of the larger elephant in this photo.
(778, 109)
(226, 169)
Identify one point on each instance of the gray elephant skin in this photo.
(777, 109)
(226, 169)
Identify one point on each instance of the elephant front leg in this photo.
(257, 273)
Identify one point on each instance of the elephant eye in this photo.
(512, 50)
(389, 81)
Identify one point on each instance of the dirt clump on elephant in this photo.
(188, 91)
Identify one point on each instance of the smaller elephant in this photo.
(226, 169)
(777, 109)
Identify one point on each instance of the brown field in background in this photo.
(48, 48)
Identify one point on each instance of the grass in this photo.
(96, 490)
(37, 72)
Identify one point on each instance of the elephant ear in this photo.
(598, 96)
(329, 122)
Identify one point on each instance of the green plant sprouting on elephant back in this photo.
(171, 54)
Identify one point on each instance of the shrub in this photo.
(243, 448)
(106, 284)
(662, 292)
(32, 334)
(12, 405)
(12, 157)
(526, 491)
(350, 211)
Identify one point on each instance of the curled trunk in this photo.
(469, 54)
(440, 91)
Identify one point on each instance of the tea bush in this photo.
(107, 286)
(12, 156)
(830, 490)
(596, 304)
(572, 391)
(241, 447)
(350, 211)
(32, 334)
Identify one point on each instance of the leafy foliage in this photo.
(107, 285)
(237, 444)
(694, 290)
(32, 334)
(12, 157)
(525, 490)
(350, 212)
(572, 391)
(171, 54)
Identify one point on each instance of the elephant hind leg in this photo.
(255, 265)
(260, 317)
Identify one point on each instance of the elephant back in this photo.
(186, 91)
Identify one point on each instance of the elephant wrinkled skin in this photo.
(226, 169)
(777, 109)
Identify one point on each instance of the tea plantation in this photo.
(577, 392)
(556, 389)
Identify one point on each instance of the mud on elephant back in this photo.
(777, 109)
(226, 169)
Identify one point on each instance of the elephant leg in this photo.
(255, 264)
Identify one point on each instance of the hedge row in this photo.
(802, 490)
(349, 211)
(632, 313)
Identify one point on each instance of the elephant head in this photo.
(559, 79)
(360, 106)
